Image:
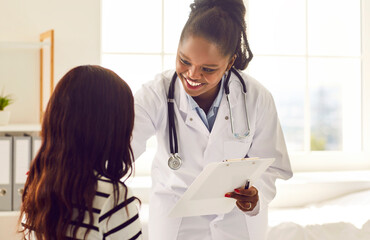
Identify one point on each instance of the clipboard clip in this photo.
(240, 159)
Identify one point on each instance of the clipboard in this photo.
(206, 195)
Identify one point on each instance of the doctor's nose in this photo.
(194, 72)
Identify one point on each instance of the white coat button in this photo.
(191, 119)
(227, 118)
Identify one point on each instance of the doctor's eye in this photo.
(209, 70)
(184, 62)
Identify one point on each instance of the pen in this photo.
(247, 184)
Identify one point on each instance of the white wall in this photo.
(77, 41)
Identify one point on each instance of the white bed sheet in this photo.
(343, 218)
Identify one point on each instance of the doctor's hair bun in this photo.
(229, 6)
(221, 22)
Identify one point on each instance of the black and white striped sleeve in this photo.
(118, 222)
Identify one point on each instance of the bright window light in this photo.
(308, 53)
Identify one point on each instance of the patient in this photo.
(74, 188)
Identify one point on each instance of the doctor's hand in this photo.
(246, 199)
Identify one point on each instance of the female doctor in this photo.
(192, 118)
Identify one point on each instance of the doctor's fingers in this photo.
(243, 198)
(244, 203)
(245, 206)
(252, 191)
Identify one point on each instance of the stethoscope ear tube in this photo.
(227, 80)
(227, 92)
(174, 162)
(226, 83)
(171, 115)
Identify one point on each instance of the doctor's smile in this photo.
(201, 66)
(192, 83)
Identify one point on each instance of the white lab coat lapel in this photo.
(190, 117)
(232, 146)
(222, 119)
(222, 123)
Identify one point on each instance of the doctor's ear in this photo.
(231, 62)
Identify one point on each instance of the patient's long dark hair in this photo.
(86, 132)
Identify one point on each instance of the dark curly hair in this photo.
(223, 23)
(86, 132)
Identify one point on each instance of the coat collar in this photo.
(191, 118)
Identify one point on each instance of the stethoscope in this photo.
(175, 162)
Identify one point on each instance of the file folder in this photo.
(6, 173)
(21, 164)
(36, 144)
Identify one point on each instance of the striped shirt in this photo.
(110, 222)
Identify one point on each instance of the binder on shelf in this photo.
(21, 163)
(6, 173)
(36, 144)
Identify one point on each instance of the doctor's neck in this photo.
(205, 100)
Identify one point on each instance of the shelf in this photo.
(45, 46)
(9, 213)
(21, 128)
(23, 45)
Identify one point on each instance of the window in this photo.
(139, 38)
(309, 53)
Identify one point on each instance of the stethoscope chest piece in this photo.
(174, 162)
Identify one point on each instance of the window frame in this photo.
(307, 160)
(339, 160)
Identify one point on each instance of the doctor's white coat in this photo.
(198, 147)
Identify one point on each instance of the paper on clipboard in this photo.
(206, 195)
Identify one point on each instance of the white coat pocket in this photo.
(236, 149)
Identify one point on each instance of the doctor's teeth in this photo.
(193, 84)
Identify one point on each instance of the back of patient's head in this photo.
(86, 130)
(88, 122)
